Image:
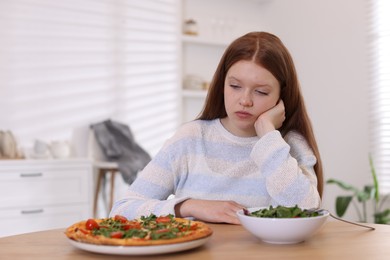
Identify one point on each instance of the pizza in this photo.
(145, 231)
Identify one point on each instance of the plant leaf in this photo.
(382, 217)
(343, 185)
(367, 193)
(342, 203)
(374, 177)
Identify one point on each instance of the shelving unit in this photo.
(200, 58)
(218, 24)
(203, 40)
(201, 55)
(194, 93)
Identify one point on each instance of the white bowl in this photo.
(282, 230)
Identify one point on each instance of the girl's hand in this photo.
(209, 210)
(271, 119)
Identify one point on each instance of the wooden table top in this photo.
(336, 240)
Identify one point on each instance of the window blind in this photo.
(380, 90)
(65, 64)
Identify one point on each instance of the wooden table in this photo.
(336, 240)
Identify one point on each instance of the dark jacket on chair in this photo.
(118, 145)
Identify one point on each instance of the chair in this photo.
(103, 168)
(85, 145)
(111, 140)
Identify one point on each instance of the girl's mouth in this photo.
(243, 114)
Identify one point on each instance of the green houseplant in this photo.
(363, 197)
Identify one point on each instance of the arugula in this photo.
(150, 226)
(283, 212)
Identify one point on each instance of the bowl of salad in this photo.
(282, 225)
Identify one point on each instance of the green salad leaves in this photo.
(282, 212)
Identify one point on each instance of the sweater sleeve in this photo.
(150, 191)
(288, 167)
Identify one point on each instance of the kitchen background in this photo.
(67, 64)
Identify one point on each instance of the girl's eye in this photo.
(261, 92)
(234, 86)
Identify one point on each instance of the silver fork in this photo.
(340, 219)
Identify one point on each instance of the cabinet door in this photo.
(31, 219)
(42, 186)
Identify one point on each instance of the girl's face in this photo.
(249, 91)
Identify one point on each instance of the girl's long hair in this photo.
(268, 51)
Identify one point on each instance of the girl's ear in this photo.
(280, 99)
(282, 94)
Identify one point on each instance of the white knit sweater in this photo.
(205, 161)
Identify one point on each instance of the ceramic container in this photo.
(282, 230)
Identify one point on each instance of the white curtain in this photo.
(379, 90)
(65, 64)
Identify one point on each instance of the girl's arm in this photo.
(150, 191)
(287, 165)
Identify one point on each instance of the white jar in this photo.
(190, 27)
(60, 149)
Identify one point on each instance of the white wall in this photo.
(328, 40)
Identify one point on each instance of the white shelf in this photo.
(204, 40)
(194, 93)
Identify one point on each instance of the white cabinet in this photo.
(44, 194)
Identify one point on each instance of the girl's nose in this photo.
(246, 100)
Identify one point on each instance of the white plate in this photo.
(139, 250)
